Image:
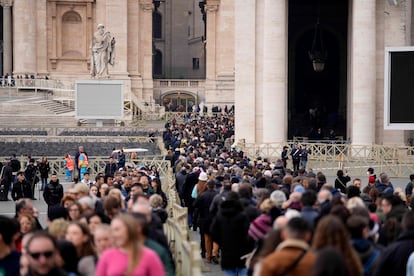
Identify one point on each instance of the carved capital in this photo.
(147, 6)
(6, 3)
(212, 5)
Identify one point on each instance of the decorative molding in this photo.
(6, 3)
(212, 5)
(146, 5)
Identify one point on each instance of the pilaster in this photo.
(274, 102)
(146, 9)
(24, 37)
(363, 72)
(7, 36)
(395, 32)
(245, 62)
(211, 8)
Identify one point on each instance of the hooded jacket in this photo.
(230, 230)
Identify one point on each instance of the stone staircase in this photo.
(55, 107)
(26, 111)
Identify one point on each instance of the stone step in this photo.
(56, 107)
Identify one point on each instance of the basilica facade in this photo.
(256, 54)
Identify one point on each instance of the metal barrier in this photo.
(80, 139)
(97, 163)
(396, 161)
(186, 252)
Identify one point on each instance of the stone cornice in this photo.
(6, 3)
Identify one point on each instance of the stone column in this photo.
(146, 38)
(24, 37)
(275, 71)
(211, 10)
(245, 62)
(363, 72)
(7, 36)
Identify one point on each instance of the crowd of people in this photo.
(255, 217)
(112, 225)
(263, 217)
(9, 80)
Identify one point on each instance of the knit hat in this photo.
(260, 227)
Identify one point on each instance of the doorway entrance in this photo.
(179, 101)
(317, 100)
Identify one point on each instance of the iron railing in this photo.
(97, 163)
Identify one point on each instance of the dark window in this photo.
(156, 25)
(196, 63)
(158, 63)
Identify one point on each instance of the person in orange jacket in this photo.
(68, 164)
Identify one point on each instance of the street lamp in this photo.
(157, 4)
(318, 54)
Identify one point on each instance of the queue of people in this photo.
(259, 217)
(255, 217)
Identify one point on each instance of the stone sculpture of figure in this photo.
(103, 52)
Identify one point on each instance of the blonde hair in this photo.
(267, 205)
(354, 202)
(155, 201)
(58, 228)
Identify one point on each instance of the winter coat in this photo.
(44, 169)
(367, 253)
(110, 169)
(393, 260)
(340, 183)
(21, 190)
(229, 229)
(309, 214)
(202, 205)
(384, 188)
(53, 193)
(30, 174)
(285, 255)
(250, 209)
(188, 186)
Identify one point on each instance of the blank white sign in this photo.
(99, 99)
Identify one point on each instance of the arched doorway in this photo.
(317, 99)
(179, 101)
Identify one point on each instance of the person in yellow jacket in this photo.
(68, 165)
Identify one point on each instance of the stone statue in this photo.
(103, 52)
